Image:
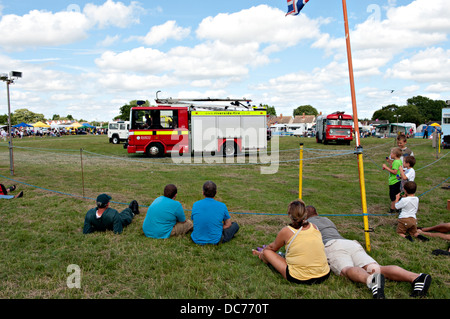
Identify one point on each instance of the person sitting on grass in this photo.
(409, 205)
(212, 222)
(103, 218)
(4, 192)
(165, 216)
(305, 261)
(348, 258)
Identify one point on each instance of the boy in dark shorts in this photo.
(394, 182)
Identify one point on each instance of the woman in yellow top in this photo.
(305, 261)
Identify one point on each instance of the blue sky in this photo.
(88, 58)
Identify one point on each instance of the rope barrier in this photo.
(236, 213)
(342, 153)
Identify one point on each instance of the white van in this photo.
(118, 131)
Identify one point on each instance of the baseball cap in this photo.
(103, 199)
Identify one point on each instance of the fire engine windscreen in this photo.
(154, 119)
(339, 122)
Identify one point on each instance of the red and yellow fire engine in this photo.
(189, 126)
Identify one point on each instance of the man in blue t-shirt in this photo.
(212, 222)
(165, 216)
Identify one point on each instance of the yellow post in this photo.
(362, 186)
(300, 172)
(439, 142)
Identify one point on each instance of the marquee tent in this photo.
(40, 124)
(22, 125)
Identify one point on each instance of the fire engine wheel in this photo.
(229, 149)
(155, 150)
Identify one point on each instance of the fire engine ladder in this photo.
(194, 103)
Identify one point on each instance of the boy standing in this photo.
(401, 142)
(407, 221)
(407, 172)
(394, 183)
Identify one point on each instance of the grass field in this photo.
(41, 233)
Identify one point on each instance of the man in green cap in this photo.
(105, 218)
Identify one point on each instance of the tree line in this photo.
(418, 110)
(29, 117)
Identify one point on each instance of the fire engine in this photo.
(334, 127)
(190, 126)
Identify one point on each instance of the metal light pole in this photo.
(9, 80)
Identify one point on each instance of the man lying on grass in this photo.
(104, 218)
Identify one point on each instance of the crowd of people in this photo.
(314, 248)
(21, 132)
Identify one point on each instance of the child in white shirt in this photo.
(407, 172)
(409, 205)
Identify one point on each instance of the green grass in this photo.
(41, 232)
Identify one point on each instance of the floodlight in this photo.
(15, 74)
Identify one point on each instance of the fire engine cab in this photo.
(334, 127)
(189, 126)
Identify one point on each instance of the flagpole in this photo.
(355, 121)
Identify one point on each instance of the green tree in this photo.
(24, 115)
(307, 109)
(431, 110)
(386, 113)
(4, 119)
(409, 114)
(56, 117)
(270, 109)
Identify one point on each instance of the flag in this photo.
(294, 6)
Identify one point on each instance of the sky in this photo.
(89, 58)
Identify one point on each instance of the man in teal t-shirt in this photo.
(212, 222)
(165, 216)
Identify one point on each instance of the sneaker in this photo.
(438, 252)
(420, 285)
(19, 195)
(134, 206)
(422, 238)
(377, 286)
(409, 238)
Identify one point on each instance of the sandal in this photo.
(261, 248)
(12, 188)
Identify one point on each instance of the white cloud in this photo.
(113, 13)
(261, 24)
(206, 60)
(161, 33)
(41, 28)
(432, 64)
(109, 40)
(438, 88)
